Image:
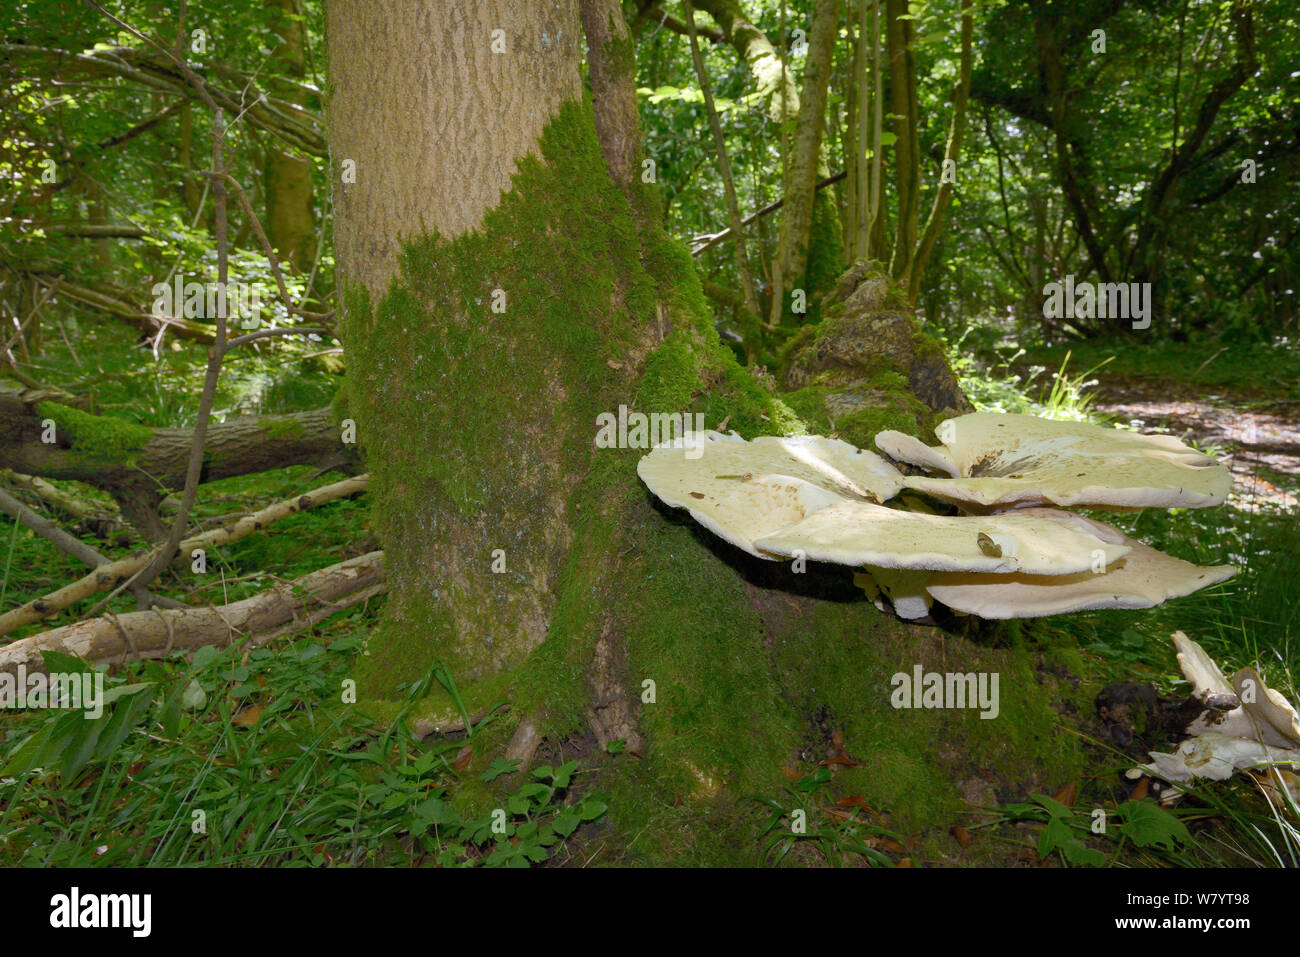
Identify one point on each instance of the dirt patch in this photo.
(1260, 442)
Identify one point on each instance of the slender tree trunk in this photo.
(907, 159)
(190, 189)
(952, 153)
(877, 220)
(289, 221)
(748, 292)
(775, 84)
(796, 216)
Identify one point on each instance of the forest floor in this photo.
(1259, 440)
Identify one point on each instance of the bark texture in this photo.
(481, 81)
(618, 120)
(467, 366)
(129, 460)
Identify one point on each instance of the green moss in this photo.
(840, 663)
(282, 427)
(96, 438)
(825, 249)
(809, 404)
(475, 413)
(928, 348)
(861, 428)
(889, 380)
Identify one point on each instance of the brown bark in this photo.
(103, 522)
(618, 121)
(907, 159)
(460, 149)
(158, 633)
(433, 152)
(238, 447)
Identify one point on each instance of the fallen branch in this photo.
(264, 638)
(121, 308)
(105, 522)
(156, 634)
(138, 472)
(51, 532)
(112, 575)
(287, 121)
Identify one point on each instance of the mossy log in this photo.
(139, 465)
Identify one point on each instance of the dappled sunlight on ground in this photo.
(1260, 445)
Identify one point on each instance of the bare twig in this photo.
(49, 291)
(124, 571)
(238, 341)
(269, 252)
(708, 240)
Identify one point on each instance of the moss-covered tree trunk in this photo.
(502, 289)
(792, 251)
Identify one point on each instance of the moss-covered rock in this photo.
(869, 363)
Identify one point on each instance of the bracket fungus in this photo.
(994, 460)
(1261, 729)
(822, 499)
(1141, 578)
(743, 490)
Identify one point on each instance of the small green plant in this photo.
(249, 757)
(1067, 831)
(810, 814)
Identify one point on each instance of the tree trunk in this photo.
(907, 157)
(776, 86)
(952, 152)
(797, 215)
(289, 221)
(530, 562)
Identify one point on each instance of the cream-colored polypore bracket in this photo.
(1262, 731)
(1144, 577)
(859, 533)
(742, 490)
(1000, 460)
